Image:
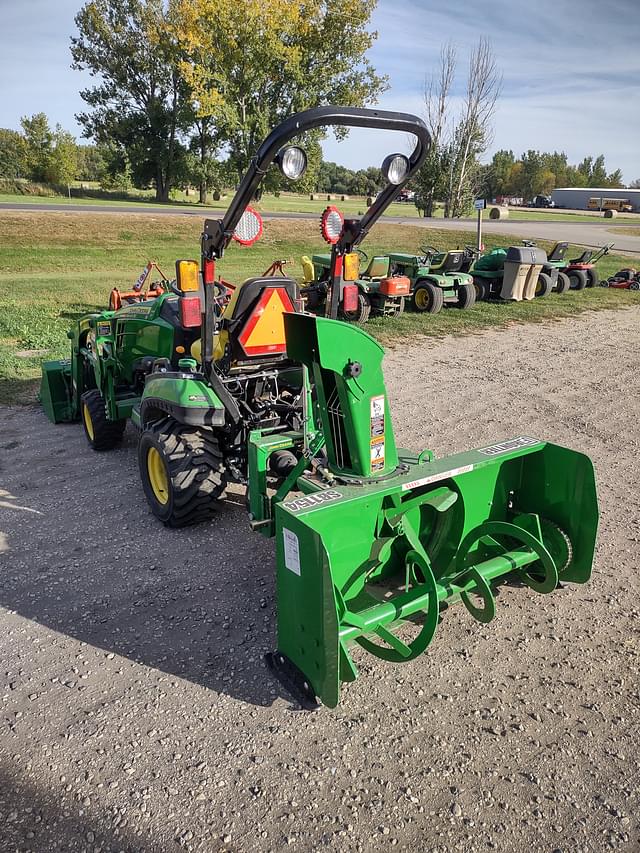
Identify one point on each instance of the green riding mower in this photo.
(511, 274)
(437, 278)
(372, 543)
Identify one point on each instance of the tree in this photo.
(250, 64)
(39, 141)
(140, 102)
(91, 163)
(499, 172)
(635, 185)
(62, 165)
(430, 179)
(13, 154)
(452, 168)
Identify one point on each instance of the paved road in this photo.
(581, 233)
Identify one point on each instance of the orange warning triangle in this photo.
(264, 331)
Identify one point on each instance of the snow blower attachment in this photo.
(382, 538)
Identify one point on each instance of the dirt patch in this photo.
(137, 713)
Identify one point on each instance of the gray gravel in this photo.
(137, 713)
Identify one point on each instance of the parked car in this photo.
(543, 201)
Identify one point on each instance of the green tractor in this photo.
(372, 542)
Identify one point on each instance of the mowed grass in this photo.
(55, 267)
(286, 203)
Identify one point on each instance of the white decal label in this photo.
(313, 500)
(424, 481)
(512, 444)
(291, 551)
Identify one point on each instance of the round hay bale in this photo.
(499, 213)
(369, 201)
(330, 197)
(344, 198)
(610, 214)
(312, 197)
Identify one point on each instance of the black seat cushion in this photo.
(558, 252)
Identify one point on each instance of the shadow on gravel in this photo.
(40, 820)
(94, 564)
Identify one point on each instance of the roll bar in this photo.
(218, 232)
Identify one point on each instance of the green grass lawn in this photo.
(54, 268)
(288, 203)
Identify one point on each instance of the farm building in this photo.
(595, 198)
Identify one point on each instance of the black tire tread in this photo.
(437, 297)
(564, 283)
(196, 472)
(359, 317)
(106, 433)
(466, 296)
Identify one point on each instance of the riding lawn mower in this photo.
(373, 543)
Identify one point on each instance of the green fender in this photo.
(186, 398)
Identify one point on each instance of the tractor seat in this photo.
(446, 262)
(308, 271)
(252, 327)
(558, 252)
(584, 258)
(378, 268)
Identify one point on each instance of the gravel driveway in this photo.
(137, 713)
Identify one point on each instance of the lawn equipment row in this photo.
(373, 543)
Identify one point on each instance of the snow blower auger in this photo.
(382, 537)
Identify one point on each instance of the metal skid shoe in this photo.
(374, 557)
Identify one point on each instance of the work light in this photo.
(331, 224)
(395, 168)
(292, 162)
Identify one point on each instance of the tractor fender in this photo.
(185, 397)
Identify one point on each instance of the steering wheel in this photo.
(429, 251)
(362, 254)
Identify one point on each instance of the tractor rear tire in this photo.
(428, 298)
(101, 433)
(466, 295)
(577, 279)
(543, 285)
(564, 283)
(482, 289)
(360, 316)
(592, 278)
(182, 472)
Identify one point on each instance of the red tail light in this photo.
(190, 312)
(208, 270)
(350, 297)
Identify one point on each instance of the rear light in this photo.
(190, 314)
(397, 285)
(208, 270)
(350, 297)
(187, 276)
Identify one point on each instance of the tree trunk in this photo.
(162, 186)
(203, 191)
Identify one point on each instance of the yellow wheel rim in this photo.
(88, 423)
(158, 476)
(421, 298)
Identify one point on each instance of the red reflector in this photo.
(209, 271)
(350, 297)
(190, 312)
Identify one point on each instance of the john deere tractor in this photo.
(372, 542)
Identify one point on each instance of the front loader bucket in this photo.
(356, 562)
(55, 390)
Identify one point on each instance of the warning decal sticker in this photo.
(291, 551)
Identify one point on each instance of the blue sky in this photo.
(571, 71)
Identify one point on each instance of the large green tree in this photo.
(140, 101)
(13, 154)
(249, 64)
